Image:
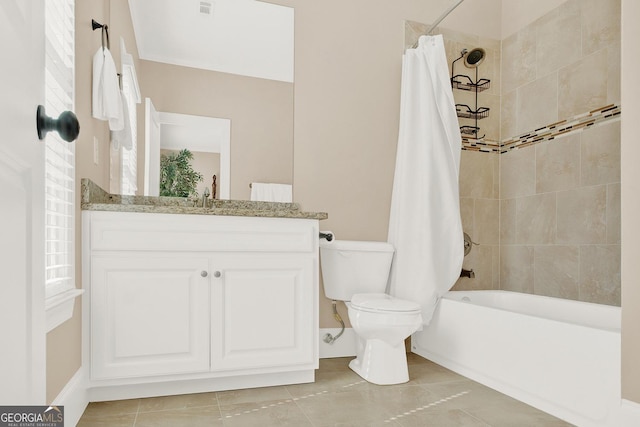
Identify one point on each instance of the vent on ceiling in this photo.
(206, 7)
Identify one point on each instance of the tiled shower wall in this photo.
(564, 64)
(560, 199)
(560, 217)
(546, 215)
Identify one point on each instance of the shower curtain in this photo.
(424, 223)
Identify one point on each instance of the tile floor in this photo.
(434, 397)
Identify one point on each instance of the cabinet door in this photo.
(149, 315)
(264, 308)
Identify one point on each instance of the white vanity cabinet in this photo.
(198, 302)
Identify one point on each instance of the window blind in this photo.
(59, 154)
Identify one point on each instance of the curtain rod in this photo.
(439, 20)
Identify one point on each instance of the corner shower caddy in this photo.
(464, 82)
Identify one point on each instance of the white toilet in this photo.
(356, 272)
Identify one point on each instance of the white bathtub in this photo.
(560, 356)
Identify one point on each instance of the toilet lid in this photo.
(383, 302)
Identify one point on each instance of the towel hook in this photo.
(105, 32)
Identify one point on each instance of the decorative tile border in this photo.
(545, 133)
(482, 145)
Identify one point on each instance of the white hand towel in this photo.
(265, 192)
(107, 101)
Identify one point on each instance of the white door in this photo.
(22, 321)
(152, 150)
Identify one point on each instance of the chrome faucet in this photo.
(205, 197)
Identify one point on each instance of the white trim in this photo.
(345, 346)
(126, 159)
(98, 392)
(225, 169)
(629, 415)
(128, 63)
(74, 397)
(59, 307)
(151, 145)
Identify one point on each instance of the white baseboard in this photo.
(74, 397)
(344, 346)
(102, 392)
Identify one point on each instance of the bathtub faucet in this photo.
(468, 273)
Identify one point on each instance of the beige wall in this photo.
(630, 202)
(261, 114)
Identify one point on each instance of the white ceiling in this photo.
(245, 37)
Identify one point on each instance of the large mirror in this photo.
(208, 139)
(230, 60)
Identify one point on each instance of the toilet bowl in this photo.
(382, 323)
(356, 272)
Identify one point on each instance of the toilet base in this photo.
(379, 363)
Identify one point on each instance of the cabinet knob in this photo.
(217, 274)
(204, 273)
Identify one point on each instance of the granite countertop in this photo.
(94, 198)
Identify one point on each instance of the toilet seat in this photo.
(383, 303)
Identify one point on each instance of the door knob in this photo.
(204, 273)
(66, 124)
(217, 274)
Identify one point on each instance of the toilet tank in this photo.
(352, 267)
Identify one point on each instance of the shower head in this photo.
(474, 57)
